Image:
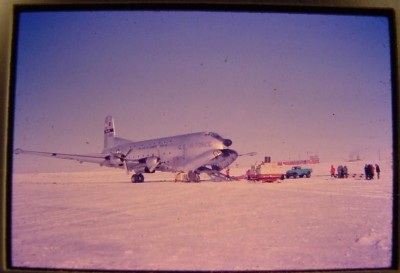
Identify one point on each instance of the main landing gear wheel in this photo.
(137, 178)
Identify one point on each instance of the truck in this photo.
(297, 171)
(266, 172)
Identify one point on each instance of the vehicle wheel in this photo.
(137, 178)
(295, 175)
(308, 175)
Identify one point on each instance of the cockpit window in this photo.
(215, 135)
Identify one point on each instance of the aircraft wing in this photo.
(107, 160)
(92, 158)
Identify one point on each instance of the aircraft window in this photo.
(215, 135)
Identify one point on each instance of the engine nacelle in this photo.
(151, 164)
(111, 161)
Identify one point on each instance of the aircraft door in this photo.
(184, 151)
(179, 158)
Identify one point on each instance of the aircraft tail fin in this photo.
(109, 132)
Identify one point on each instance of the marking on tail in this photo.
(109, 132)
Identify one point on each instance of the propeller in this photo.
(122, 157)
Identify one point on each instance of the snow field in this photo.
(99, 220)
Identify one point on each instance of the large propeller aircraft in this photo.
(203, 152)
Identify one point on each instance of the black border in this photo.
(9, 15)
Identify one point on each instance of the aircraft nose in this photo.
(227, 142)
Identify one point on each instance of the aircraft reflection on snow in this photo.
(192, 154)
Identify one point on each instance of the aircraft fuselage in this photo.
(180, 153)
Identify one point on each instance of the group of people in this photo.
(369, 170)
(342, 172)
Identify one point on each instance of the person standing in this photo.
(372, 171)
(227, 173)
(366, 170)
(248, 173)
(345, 172)
(378, 170)
(340, 171)
(333, 171)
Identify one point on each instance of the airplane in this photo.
(192, 154)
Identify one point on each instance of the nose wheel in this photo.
(137, 178)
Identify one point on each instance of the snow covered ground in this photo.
(99, 220)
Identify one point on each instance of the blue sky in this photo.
(283, 85)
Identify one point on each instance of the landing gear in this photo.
(137, 178)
